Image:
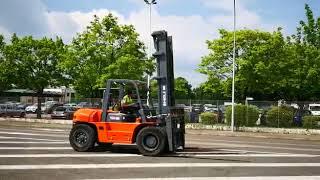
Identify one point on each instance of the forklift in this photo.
(153, 131)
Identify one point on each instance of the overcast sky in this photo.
(190, 22)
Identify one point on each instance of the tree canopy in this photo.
(268, 65)
(34, 63)
(105, 50)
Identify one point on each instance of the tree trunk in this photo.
(40, 94)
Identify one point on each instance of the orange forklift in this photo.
(154, 131)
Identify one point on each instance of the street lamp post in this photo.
(149, 3)
(233, 63)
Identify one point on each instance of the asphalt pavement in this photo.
(45, 153)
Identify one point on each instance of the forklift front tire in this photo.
(151, 141)
(82, 138)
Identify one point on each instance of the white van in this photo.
(314, 109)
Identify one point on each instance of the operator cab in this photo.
(126, 101)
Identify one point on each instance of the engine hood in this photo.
(87, 115)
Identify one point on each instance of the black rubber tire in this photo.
(159, 141)
(82, 138)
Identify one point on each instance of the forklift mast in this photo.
(174, 119)
(165, 75)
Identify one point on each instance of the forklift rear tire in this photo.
(82, 138)
(151, 141)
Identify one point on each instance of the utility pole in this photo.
(149, 3)
(233, 63)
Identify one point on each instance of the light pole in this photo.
(233, 63)
(149, 3)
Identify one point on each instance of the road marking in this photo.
(49, 129)
(153, 165)
(251, 146)
(32, 130)
(129, 155)
(243, 142)
(27, 138)
(66, 155)
(34, 148)
(33, 142)
(227, 178)
(32, 134)
(245, 155)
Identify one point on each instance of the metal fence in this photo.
(248, 113)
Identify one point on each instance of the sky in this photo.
(190, 22)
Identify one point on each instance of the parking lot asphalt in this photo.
(45, 153)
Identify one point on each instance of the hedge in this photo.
(244, 115)
(310, 122)
(280, 116)
(209, 118)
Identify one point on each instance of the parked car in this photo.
(210, 108)
(315, 109)
(33, 108)
(70, 105)
(12, 110)
(62, 112)
(198, 108)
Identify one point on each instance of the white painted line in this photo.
(65, 155)
(130, 155)
(153, 165)
(32, 130)
(27, 138)
(49, 129)
(252, 146)
(32, 134)
(256, 142)
(33, 142)
(246, 155)
(247, 151)
(34, 148)
(227, 178)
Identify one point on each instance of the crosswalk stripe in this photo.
(153, 165)
(66, 155)
(32, 134)
(226, 178)
(170, 155)
(34, 148)
(27, 138)
(246, 155)
(256, 142)
(33, 142)
(251, 146)
(49, 129)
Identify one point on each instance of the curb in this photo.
(196, 126)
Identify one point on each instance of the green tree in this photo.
(5, 72)
(302, 82)
(182, 88)
(258, 67)
(105, 50)
(35, 62)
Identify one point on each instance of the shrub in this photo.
(244, 115)
(280, 116)
(310, 122)
(209, 118)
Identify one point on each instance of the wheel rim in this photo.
(150, 142)
(80, 138)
